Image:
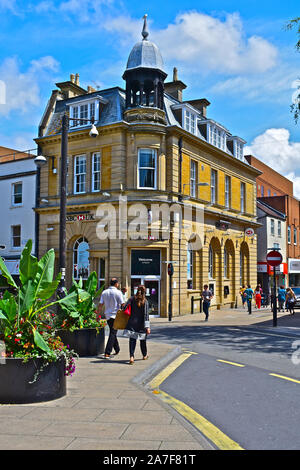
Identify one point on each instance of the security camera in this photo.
(93, 132)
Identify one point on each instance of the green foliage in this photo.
(81, 314)
(21, 328)
(295, 107)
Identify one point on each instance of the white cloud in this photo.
(23, 88)
(205, 43)
(275, 84)
(218, 45)
(275, 149)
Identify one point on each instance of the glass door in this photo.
(152, 295)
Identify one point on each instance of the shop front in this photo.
(294, 272)
(265, 275)
(146, 271)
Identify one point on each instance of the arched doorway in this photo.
(215, 269)
(229, 271)
(81, 265)
(244, 265)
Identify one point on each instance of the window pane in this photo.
(96, 172)
(16, 236)
(147, 178)
(146, 159)
(17, 193)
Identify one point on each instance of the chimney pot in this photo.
(72, 78)
(77, 79)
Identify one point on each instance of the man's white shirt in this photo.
(112, 298)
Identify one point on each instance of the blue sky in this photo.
(236, 54)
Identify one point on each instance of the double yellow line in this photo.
(217, 437)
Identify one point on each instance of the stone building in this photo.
(153, 149)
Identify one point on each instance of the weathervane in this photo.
(145, 32)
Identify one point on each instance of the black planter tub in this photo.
(86, 342)
(18, 384)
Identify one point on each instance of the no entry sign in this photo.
(274, 258)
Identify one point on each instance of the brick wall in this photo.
(270, 180)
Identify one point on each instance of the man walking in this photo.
(206, 295)
(249, 295)
(112, 300)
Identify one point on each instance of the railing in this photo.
(30, 152)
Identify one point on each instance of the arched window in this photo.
(81, 259)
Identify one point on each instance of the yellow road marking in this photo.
(231, 363)
(161, 377)
(286, 378)
(214, 434)
(191, 352)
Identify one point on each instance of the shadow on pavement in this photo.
(240, 339)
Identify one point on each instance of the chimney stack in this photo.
(72, 77)
(77, 79)
(175, 87)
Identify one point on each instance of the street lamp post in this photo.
(40, 161)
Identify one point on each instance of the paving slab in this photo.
(106, 408)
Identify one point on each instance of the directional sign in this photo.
(274, 258)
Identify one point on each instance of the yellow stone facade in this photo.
(118, 145)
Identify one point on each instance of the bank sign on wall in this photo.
(145, 262)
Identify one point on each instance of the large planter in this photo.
(85, 342)
(16, 375)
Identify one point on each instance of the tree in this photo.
(295, 107)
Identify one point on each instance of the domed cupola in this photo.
(145, 74)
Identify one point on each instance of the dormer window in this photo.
(83, 110)
(216, 136)
(189, 121)
(236, 147)
(238, 150)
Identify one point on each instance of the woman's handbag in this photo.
(121, 320)
(127, 310)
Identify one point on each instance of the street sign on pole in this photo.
(274, 258)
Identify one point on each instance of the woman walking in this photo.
(257, 294)
(138, 326)
(290, 300)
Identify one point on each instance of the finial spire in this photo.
(145, 32)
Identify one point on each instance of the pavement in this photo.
(107, 406)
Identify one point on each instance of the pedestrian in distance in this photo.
(249, 296)
(290, 300)
(111, 300)
(243, 297)
(257, 294)
(206, 295)
(281, 298)
(138, 326)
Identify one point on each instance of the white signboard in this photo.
(294, 265)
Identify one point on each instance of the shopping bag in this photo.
(121, 320)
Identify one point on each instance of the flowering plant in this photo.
(25, 328)
(82, 313)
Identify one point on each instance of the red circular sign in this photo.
(274, 258)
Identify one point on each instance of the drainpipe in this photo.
(180, 200)
(37, 204)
